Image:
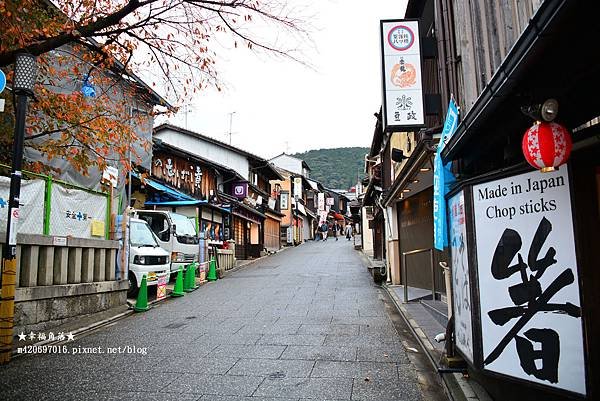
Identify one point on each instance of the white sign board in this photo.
(297, 187)
(461, 287)
(73, 211)
(401, 60)
(31, 206)
(330, 201)
(320, 201)
(528, 284)
(283, 199)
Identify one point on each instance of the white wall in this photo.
(288, 163)
(367, 234)
(207, 150)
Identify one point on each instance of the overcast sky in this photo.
(283, 106)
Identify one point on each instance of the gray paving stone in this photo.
(215, 384)
(294, 339)
(307, 388)
(361, 340)
(270, 367)
(206, 344)
(196, 365)
(134, 396)
(233, 339)
(375, 389)
(356, 370)
(357, 320)
(339, 329)
(382, 354)
(132, 381)
(248, 351)
(305, 320)
(321, 353)
(384, 329)
(234, 398)
(270, 328)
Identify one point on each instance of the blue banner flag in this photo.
(442, 179)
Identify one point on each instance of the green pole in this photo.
(47, 205)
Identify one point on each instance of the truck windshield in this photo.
(186, 232)
(183, 225)
(141, 235)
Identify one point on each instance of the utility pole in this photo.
(23, 82)
(186, 110)
(230, 123)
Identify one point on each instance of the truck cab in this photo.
(176, 234)
(146, 257)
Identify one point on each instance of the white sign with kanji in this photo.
(402, 89)
(528, 280)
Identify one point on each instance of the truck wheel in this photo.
(133, 287)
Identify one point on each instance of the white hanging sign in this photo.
(401, 62)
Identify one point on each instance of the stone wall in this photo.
(41, 308)
(61, 279)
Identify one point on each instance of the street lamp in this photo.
(25, 74)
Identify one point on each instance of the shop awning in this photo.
(337, 216)
(175, 203)
(248, 213)
(169, 192)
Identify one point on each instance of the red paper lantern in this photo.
(547, 145)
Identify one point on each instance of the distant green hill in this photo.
(335, 168)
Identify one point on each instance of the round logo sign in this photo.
(2, 81)
(401, 37)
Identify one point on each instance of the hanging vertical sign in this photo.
(298, 187)
(442, 178)
(401, 69)
(320, 201)
(528, 282)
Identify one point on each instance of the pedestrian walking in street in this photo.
(324, 230)
(336, 228)
(348, 231)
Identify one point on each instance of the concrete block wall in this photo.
(42, 308)
(60, 279)
(47, 260)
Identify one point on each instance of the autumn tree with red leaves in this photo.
(106, 43)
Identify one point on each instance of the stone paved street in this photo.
(306, 323)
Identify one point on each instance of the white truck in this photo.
(176, 234)
(146, 257)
